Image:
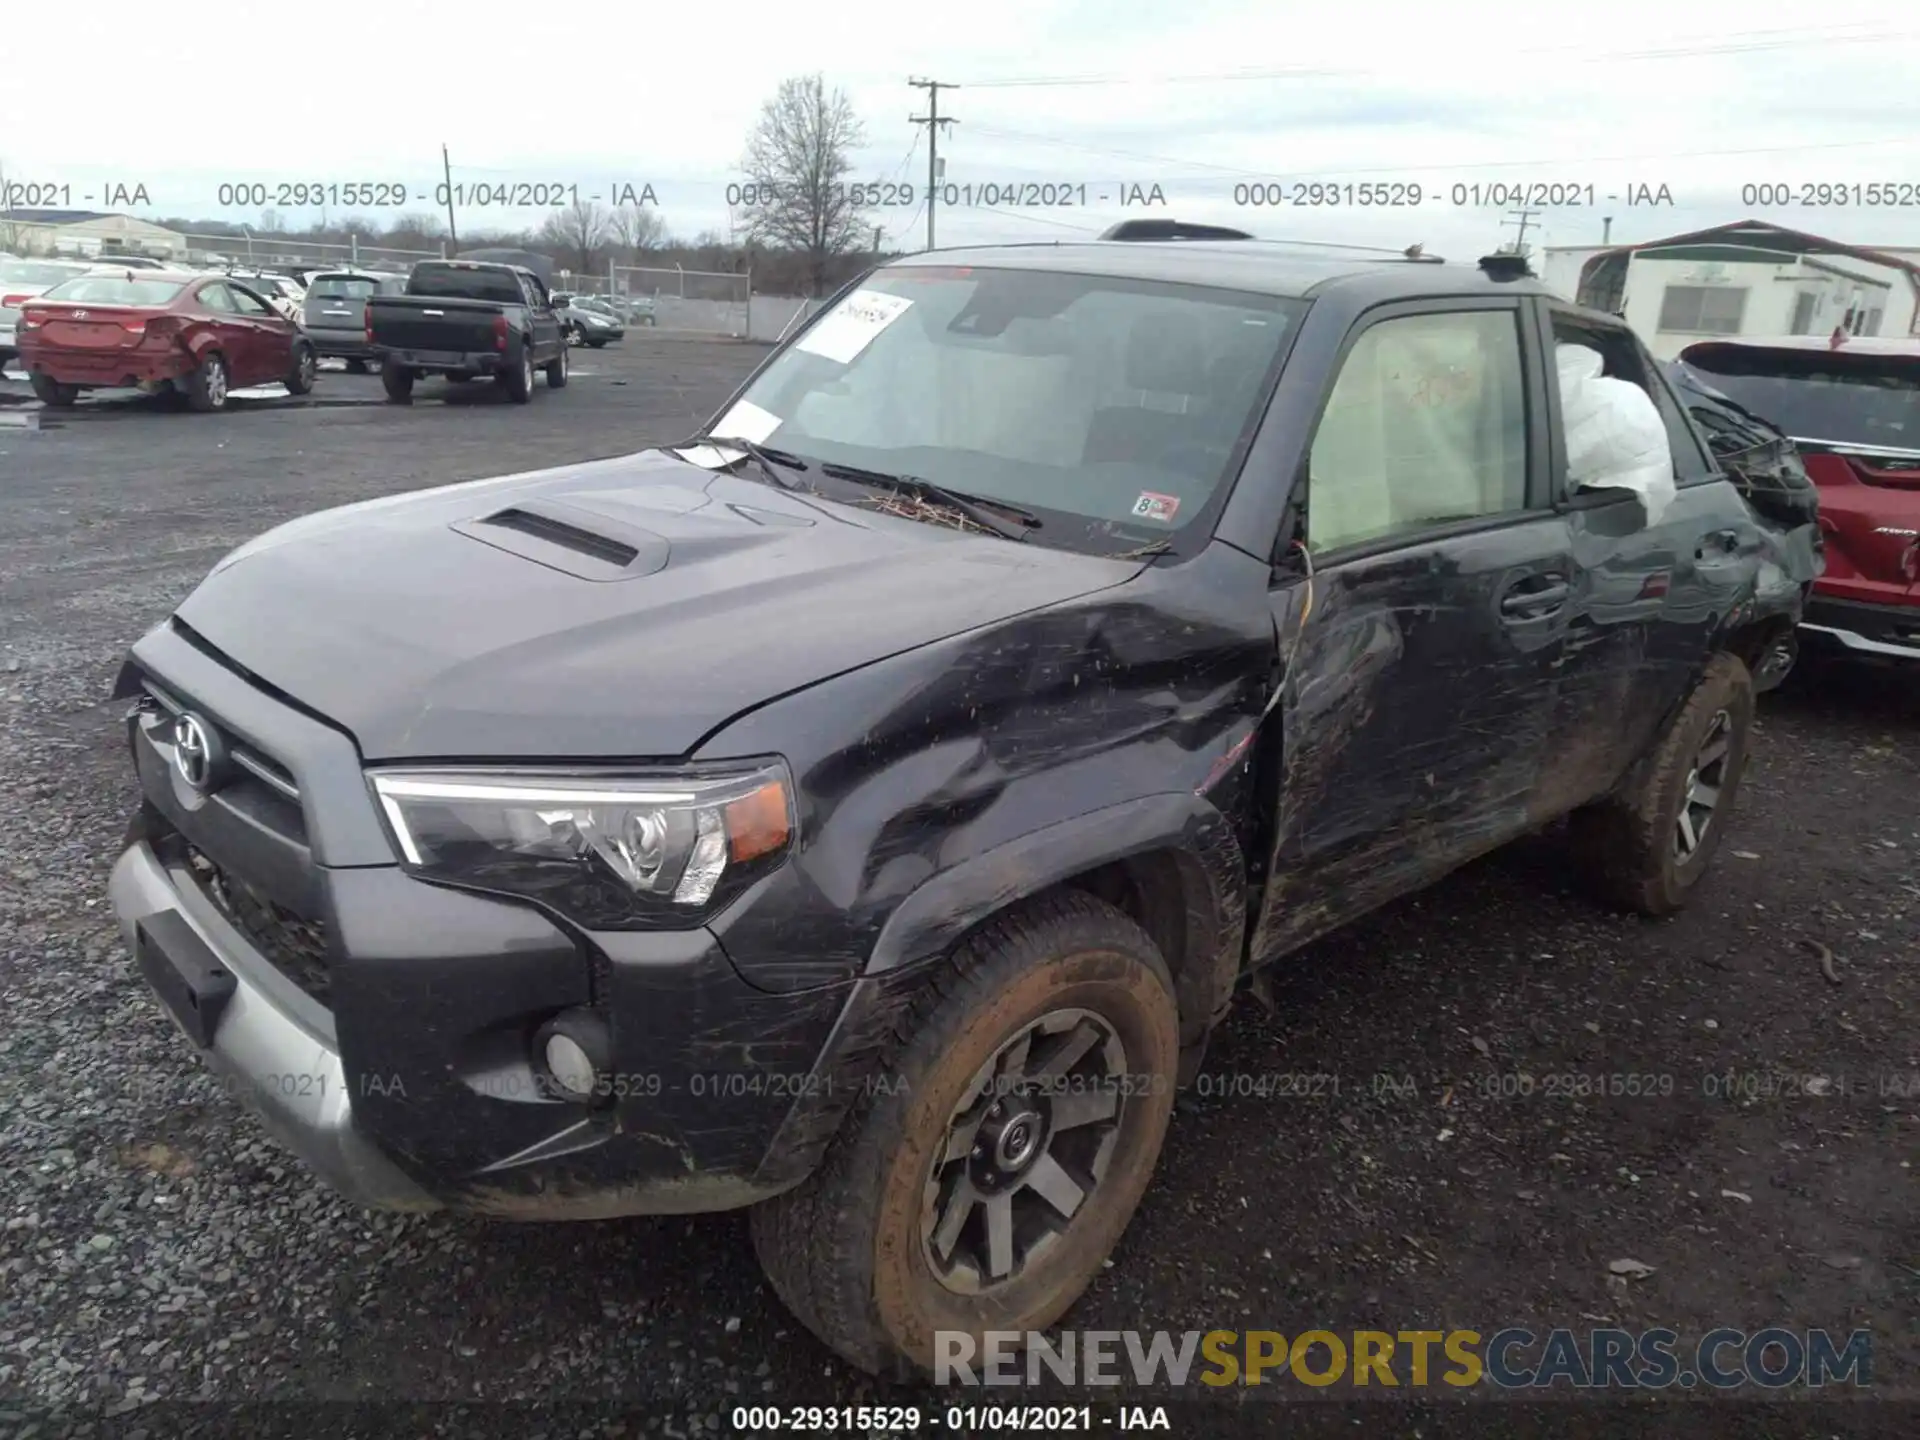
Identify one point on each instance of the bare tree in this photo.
(634, 229)
(578, 233)
(798, 159)
(11, 230)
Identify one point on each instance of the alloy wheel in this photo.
(216, 382)
(1705, 779)
(308, 367)
(1026, 1148)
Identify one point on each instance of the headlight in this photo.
(620, 850)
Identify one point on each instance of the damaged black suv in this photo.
(863, 811)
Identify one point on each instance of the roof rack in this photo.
(1170, 230)
(1146, 230)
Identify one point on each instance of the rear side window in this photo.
(218, 297)
(1627, 360)
(117, 290)
(1426, 425)
(459, 282)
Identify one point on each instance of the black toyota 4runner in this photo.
(863, 811)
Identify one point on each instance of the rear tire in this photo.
(557, 371)
(207, 385)
(519, 380)
(1647, 847)
(398, 380)
(52, 392)
(306, 364)
(927, 1191)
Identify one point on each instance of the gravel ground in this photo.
(156, 1246)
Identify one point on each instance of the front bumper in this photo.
(293, 1077)
(388, 1043)
(1864, 631)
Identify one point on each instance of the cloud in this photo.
(1350, 94)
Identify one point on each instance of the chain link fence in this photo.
(284, 250)
(695, 302)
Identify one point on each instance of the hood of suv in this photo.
(618, 609)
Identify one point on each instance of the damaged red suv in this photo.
(1853, 410)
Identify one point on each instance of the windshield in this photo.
(116, 290)
(343, 287)
(1812, 395)
(26, 272)
(452, 282)
(1116, 403)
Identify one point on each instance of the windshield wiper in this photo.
(975, 508)
(763, 457)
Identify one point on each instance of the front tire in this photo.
(398, 380)
(52, 392)
(982, 1183)
(1647, 847)
(207, 386)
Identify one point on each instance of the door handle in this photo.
(1718, 545)
(1534, 597)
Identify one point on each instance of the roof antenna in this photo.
(1416, 250)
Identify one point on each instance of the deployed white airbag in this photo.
(1615, 437)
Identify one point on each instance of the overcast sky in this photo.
(1195, 97)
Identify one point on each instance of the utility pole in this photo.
(933, 120)
(1525, 218)
(446, 169)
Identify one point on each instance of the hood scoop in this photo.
(578, 542)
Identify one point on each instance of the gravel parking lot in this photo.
(1460, 1162)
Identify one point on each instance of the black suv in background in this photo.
(467, 318)
(864, 811)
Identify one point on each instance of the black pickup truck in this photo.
(466, 318)
(864, 811)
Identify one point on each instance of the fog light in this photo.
(571, 1052)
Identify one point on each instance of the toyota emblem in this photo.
(196, 752)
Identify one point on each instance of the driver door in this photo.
(1417, 711)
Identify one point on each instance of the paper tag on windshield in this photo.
(1152, 506)
(852, 325)
(745, 421)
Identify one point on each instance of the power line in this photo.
(1729, 45)
(933, 120)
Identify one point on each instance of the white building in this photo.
(85, 233)
(1748, 278)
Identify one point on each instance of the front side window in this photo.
(1426, 425)
(248, 303)
(1110, 407)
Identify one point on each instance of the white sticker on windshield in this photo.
(745, 421)
(853, 324)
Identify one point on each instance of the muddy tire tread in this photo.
(814, 1241)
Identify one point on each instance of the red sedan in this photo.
(200, 336)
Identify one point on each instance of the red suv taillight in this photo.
(32, 319)
(500, 332)
(366, 319)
